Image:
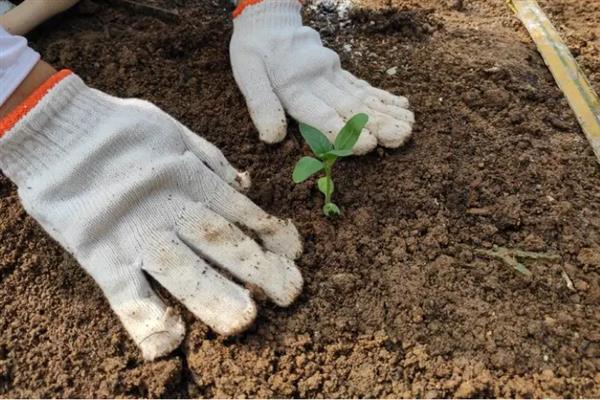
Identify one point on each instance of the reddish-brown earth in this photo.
(398, 301)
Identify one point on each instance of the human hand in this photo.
(129, 190)
(281, 65)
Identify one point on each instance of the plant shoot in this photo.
(325, 156)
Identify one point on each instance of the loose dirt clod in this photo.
(390, 305)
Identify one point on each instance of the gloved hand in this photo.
(279, 64)
(127, 189)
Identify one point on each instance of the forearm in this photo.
(40, 74)
(31, 13)
(23, 71)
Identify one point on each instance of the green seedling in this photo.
(326, 154)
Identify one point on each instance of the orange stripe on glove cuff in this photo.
(242, 5)
(8, 122)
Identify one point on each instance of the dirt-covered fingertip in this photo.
(242, 181)
(165, 337)
(238, 321)
(292, 282)
(271, 129)
(281, 237)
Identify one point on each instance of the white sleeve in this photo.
(16, 61)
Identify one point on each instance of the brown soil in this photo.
(398, 301)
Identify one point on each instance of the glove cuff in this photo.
(269, 12)
(8, 122)
(46, 126)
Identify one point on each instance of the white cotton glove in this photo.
(127, 189)
(279, 64)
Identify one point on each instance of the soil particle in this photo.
(397, 301)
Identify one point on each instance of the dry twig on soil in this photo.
(510, 257)
(148, 8)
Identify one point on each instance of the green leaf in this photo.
(331, 209)
(326, 189)
(349, 134)
(340, 153)
(306, 167)
(317, 141)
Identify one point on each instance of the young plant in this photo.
(326, 154)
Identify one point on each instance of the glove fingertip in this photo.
(283, 238)
(292, 282)
(270, 129)
(367, 142)
(238, 322)
(272, 136)
(400, 101)
(242, 181)
(166, 338)
(394, 134)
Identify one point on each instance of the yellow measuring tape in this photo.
(567, 73)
